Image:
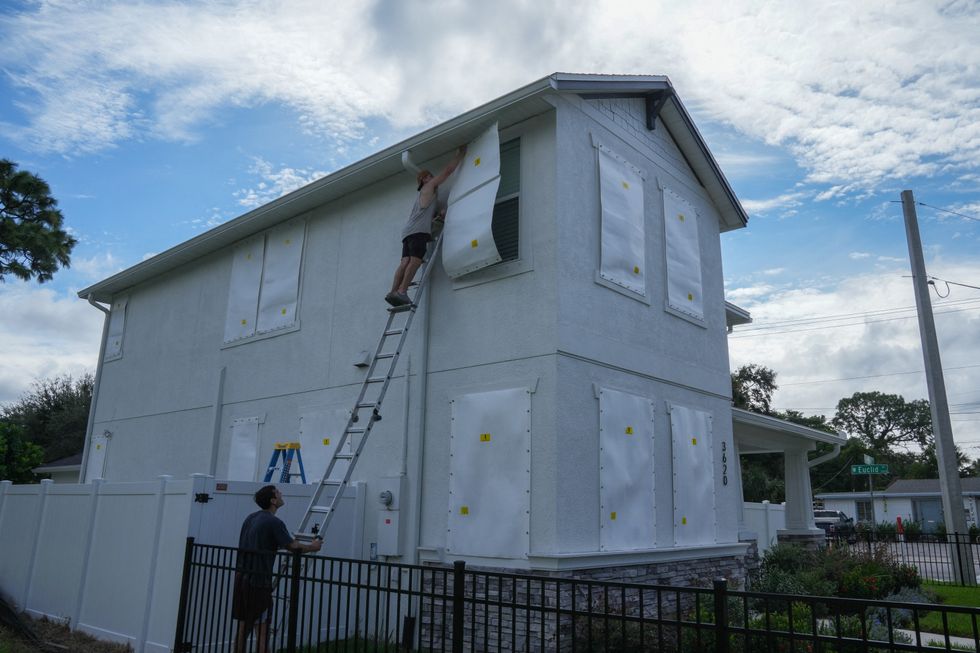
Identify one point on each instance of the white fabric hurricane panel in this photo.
(319, 433)
(117, 329)
(468, 243)
(243, 450)
(490, 474)
(684, 291)
(694, 476)
(280, 277)
(243, 289)
(97, 453)
(623, 242)
(480, 165)
(626, 482)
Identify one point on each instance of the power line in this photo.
(956, 283)
(871, 376)
(962, 215)
(841, 316)
(838, 326)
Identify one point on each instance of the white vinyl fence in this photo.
(766, 520)
(106, 558)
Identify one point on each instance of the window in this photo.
(117, 329)
(683, 257)
(505, 223)
(264, 288)
(864, 513)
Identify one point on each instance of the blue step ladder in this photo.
(287, 451)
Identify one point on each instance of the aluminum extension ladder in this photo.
(369, 399)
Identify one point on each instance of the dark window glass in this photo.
(506, 212)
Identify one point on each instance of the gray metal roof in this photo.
(908, 487)
(517, 106)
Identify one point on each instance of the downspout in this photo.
(423, 373)
(824, 458)
(82, 472)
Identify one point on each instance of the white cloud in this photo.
(803, 350)
(44, 334)
(273, 183)
(97, 267)
(786, 200)
(857, 256)
(853, 90)
(771, 272)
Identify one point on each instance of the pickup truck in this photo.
(833, 522)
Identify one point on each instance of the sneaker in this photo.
(402, 299)
(392, 298)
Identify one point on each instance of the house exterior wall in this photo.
(542, 322)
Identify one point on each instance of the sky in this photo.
(155, 121)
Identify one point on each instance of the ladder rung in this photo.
(321, 510)
(344, 456)
(402, 308)
(376, 379)
(307, 537)
(393, 332)
(390, 354)
(356, 431)
(367, 404)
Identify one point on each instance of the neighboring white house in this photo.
(915, 500)
(563, 402)
(63, 470)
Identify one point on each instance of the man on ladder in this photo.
(418, 230)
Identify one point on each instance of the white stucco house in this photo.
(562, 404)
(913, 500)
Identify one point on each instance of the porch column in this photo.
(799, 501)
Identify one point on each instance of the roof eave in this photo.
(740, 415)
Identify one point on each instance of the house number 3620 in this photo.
(724, 463)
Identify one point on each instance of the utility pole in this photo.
(949, 473)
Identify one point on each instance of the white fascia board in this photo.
(736, 315)
(776, 426)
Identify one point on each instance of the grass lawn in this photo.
(959, 624)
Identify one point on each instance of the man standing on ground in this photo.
(262, 535)
(418, 230)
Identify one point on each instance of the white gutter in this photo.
(824, 458)
(95, 388)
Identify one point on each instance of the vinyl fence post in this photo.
(721, 615)
(185, 582)
(293, 603)
(459, 588)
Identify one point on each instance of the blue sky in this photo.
(154, 121)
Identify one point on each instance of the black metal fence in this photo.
(331, 604)
(934, 556)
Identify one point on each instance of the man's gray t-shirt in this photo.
(262, 531)
(420, 219)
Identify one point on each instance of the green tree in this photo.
(18, 456)
(54, 414)
(753, 387)
(885, 421)
(33, 244)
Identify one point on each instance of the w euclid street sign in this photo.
(869, 469)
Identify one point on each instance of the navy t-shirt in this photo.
(261, 532)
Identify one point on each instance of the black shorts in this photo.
(248, 603)
(415, 245)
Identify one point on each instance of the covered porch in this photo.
(755, 433)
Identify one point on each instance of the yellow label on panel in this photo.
(473, 243)
(464, 510)
(690, 297)
(626, 185)
(636, 269)
(476, 161)
(289, 241)
(680, 216)
(283, 311)
(612, 515)
(629, 430)
(98, 446)
(484, 437)
(694, 441)
(684, 520)
(248, 257)
(326, 442)
(244, 322)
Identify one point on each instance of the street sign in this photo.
(869, 469)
